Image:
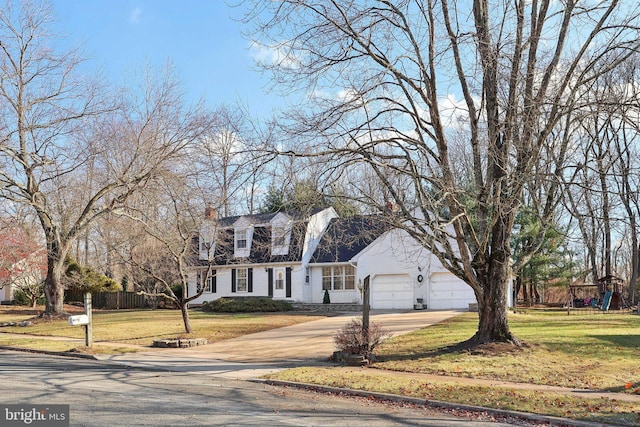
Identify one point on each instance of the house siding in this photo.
(258, 283)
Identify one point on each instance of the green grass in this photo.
(584, 350)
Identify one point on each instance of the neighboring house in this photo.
(297, 259)
(27, 270)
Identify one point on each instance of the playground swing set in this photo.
(606, 294)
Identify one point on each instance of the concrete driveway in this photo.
(249, 356)
(311, 340)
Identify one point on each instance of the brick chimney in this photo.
(210, 213)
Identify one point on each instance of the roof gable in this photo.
(347, 237)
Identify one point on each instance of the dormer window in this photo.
(241, 239)
(279, 236)
(207, 240)
(242, 236)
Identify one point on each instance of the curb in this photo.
(551, 420)
(52, 353)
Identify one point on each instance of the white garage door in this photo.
(448, 292)
(392, 291)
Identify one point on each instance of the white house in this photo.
(27, 271)
(287, 257)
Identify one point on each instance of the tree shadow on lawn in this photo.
(629, 341)
(486, 349)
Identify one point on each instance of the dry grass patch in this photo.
(10, 313)
(62, 346)
(141, 327)
(451, 390)
(591, 351)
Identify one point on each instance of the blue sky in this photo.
(199, 37)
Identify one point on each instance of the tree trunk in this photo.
(492, 301)
(535, 292)
(492, 314)
(53, 287)
(185, 317)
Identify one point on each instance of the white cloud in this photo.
(273, 55)
(453, 112)
(134, 15)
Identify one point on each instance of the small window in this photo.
(337, 278)
(241, 239)
(280, 280)
(349, 277)
(279, 236)
(307, 275)
(327, 278)
(203, 280)
(241, 280)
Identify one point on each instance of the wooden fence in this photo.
(110, 300)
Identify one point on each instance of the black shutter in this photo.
(233, 280)
(213, 281)
(288, 283)
(250, 279)
(270, 273)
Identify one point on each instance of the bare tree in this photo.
(229, 161)
(385, 79)
(170, 214)
(55, 125)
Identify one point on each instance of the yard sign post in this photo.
(365, 310)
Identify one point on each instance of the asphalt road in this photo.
(105, 394)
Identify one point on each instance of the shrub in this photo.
(352, 340)
(246, 305)
(177, 290)
(20, 297)
(326, 299)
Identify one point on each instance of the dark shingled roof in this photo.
(346, 237)
(260, 252)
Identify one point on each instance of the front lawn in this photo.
(141, 327)
(591, 350)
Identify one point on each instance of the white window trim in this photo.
(207, 232)
(245, 271)
(279, 284)
(339, 271)
(208, 286)
(240, 235)
(242, 252)
(281, 232)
